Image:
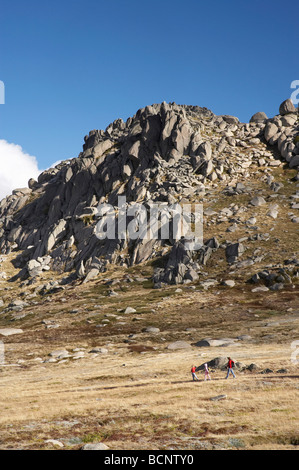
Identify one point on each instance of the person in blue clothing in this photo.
(229, 367)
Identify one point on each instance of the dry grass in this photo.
(149, 402)
(133, 400)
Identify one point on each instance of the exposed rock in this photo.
(10, 331)
(260, 289)
(214, 342)
(166, 153)
(270, 131)
(228, 283)
(258, 201)
(234, 251)
(99, 351)
(273, 212)
(151, 329)
(95, 446)
(259, 117)
(54, 442)
(60, 354)
(287, 107)
(294, 161)
(219, 397)
(216, 363)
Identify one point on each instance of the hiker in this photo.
(229, 367)
(207, 374)
(193, 369)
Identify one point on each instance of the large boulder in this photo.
(234, 251)
(216, 363)
(259, 117)
(287, 107)
(270, 131)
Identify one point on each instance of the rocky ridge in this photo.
(165, 153)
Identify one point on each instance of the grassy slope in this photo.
(139, 395)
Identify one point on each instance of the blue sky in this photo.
(70, 66)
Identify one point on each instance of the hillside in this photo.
(99, 335)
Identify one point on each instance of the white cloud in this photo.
(16, 168)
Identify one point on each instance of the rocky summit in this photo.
(245, 175)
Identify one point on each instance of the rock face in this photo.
(166, 153)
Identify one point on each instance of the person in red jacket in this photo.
(229, 367)
(193, 369)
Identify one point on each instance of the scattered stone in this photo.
(10, 331)
(130, 310)
(96, 446)
(99, 351)
(54, 443)
(273, 212)
(234, 251)
(260, 289)
(267, 371)
(244, 338)
(219, 397)
(270, 131)
(258, 201)
(59, 354)
(151, 329)
(214, 342)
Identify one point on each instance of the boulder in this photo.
(294, 162)
(95, 446)
(151, 329)
(259, 117)
(228, 283)
(98, 351)
(231, 119)
(260, 289)
(234, 251)
(270, 131)
(102, 147)
(216, 363)
(289, 120)
(60, 354)
(258, 201)
(273, 212)
(287, 107)
(130, 310)
(208, 342)
(219, 397)
(10, 331)
(54, 442)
